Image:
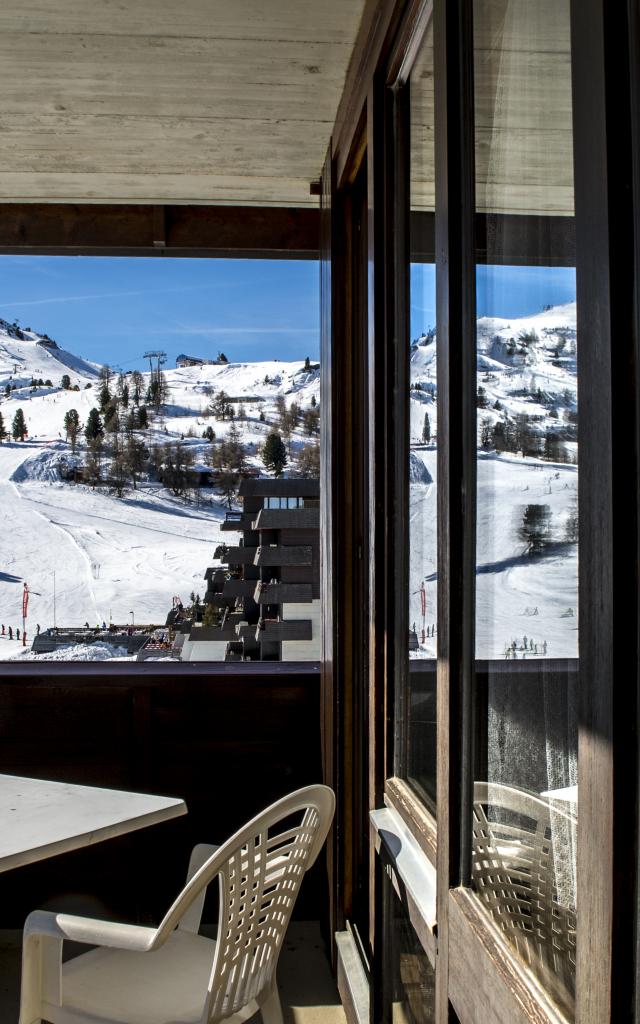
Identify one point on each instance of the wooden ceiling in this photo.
(159, 101)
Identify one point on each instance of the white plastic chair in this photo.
(170, 974)
(514, 873)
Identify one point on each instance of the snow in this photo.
(517, 594)
(113, 555)
(81, 652)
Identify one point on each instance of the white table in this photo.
(40, 819)
(569, 794)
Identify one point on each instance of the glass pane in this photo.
(409, 978)
(133, 476)
(525, 800)
(420, 741)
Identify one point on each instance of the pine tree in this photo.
(111, 419)
(313, 401)
(118, 470)
(426, 429)
(92, 462)
(137, 383)
(572, 524)
(72, 427)
(486, 434)
(177, 468)
(134, 456)
(554, 450)
(19, 426)
(104, 398)
(143, 419)
(221, 407)
(93, 428)
(3, 432)
(293, 416)
(274, 454)
(307, 365)
(66, 381)
(281, 409)
(158, 389)
(535, 529)
(235, 451)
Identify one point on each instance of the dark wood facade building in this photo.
(268, 593)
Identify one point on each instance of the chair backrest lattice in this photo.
(513, 872)
(258, 888)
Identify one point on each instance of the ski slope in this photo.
(526, 366)
(109, 555)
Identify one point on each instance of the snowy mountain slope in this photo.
(115, 555)
(526, 367)
(26, 355)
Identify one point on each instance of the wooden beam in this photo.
(379, 20)
(92, 230)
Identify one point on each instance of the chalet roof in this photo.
(282, 487)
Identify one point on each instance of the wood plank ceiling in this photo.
(196, 101)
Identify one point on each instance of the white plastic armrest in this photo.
(89, 930)
(199, 856)
(44, 934)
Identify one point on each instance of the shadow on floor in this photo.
(307, 988)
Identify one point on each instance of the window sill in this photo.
(412, 873)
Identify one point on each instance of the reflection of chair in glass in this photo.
(171, 974)
(513, 871)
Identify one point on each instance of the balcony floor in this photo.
(307, 988)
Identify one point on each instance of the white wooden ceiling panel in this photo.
(228, 101)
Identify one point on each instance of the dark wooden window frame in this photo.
(143, 230)
(608, 247)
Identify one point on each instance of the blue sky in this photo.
(114, 309)
(501, 291)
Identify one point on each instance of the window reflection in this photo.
(420, 743)
(525, 797)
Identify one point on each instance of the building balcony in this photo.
(237, 521)
(287, 519)
(277, 554)
(241, 555)
(279, 630)
(238, 588)
(278, 593)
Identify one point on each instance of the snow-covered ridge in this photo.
(113, 555)
(526, 381)
(26, 355)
